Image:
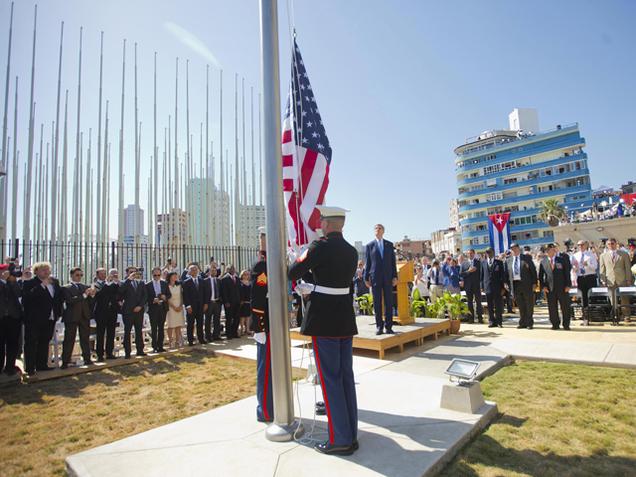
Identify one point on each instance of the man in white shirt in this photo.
(587, 266)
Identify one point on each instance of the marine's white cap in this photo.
(262, 230)
(330, 211)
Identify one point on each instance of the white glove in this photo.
(260, 338)
(303, 288)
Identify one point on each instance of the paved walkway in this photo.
(403, 432)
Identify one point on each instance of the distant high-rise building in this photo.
(516, 171)
(249, 219)
(446, 241)
(172, 227)
(133, 223)
(208, 213)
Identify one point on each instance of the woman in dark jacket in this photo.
(245, 309)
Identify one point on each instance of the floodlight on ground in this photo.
(462, 370)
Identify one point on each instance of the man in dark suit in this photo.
(492, 284)
(380, 276)
(230, 294)
(43, 302)
(158, 293)
(77, 316)
(554, 275)
(470, 273)
(193, 291)
(10, 319)
(212, 304)
(521, 275)
(105, 310)
(134, 297)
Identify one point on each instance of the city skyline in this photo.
(456, 87)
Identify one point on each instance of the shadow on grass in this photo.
(73, 386)
(489, 453)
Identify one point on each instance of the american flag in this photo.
(306, 157)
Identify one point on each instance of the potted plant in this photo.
(418, 306)
(365, 304)
(451, 306)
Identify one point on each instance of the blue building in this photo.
(516, 170)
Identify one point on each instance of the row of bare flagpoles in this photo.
(35, 191)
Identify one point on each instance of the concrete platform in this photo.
(402, 431)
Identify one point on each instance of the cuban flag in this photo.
(499, 231)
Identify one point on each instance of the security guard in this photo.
(260, 327)
(330, 321)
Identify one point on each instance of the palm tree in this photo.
(552, 212)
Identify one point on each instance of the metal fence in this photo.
(65, 255)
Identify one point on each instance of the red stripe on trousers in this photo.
(324, 391)
(266, 384)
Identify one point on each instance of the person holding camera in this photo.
(78, 298)
(133, 295)
(43, 300)
(10, 318)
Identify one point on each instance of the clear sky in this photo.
(398, 84)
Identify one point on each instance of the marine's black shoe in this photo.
(330, 449)
(355, 445)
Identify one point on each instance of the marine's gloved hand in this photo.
(303, 288)
(260, 338)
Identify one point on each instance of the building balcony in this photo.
(513, 229)
(494, 147)
(530, 167)
(540, 195)
(526, 183)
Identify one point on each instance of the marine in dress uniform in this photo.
(330, 321)
(260, 327)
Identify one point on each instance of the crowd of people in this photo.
(32, 301)
(214, 303)
(523, 277)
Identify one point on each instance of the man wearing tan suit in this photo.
(615, 270)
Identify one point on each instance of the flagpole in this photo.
(285, 426)
(99, 142)
(120, 218)
(5, 153)
(56, 149)
(27, 198)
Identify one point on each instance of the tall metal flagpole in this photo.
(78, 152)
(27, 198)
(120, 218)
(284, 426)
(14, 186)
(221, 179)
(236, 163)
(56, 149)
(37, 214)
(260, 154)
(244, 158)
(5, 153)
(155, 153)
(89, 180)
(253, 199)
(99, 143)
(63, 208)
(136, 148)
(207, 152)
(106, 205)
(176, 153)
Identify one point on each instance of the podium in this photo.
(405, 276)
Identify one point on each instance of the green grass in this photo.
(43, 422)
(555, 420)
